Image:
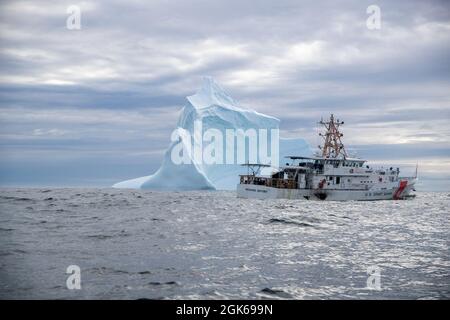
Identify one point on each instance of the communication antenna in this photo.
(333, 146)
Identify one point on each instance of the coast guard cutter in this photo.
(331, 175)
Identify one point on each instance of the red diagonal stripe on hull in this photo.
(400, 189)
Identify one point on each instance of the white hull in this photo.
(263, 192)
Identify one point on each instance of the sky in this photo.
(93, 106)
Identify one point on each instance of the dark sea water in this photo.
(140, 244)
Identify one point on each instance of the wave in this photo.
(277, 292)
(289, 221)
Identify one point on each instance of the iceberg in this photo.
(212, 110)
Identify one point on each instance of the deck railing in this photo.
(269, 182)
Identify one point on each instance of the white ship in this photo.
(332, 175)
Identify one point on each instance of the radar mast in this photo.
(333, 146)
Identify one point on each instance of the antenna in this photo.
(333, 146)
(417, 166)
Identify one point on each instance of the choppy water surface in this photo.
(140, 244)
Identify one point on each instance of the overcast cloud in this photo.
(94, 106)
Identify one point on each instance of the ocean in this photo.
(131, 244)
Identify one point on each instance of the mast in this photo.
(333, 146)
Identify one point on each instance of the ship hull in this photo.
(263, 192)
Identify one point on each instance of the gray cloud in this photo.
(115, 85)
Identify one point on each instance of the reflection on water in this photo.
(134, 244)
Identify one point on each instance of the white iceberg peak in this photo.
(214, 109)
(211, 94)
